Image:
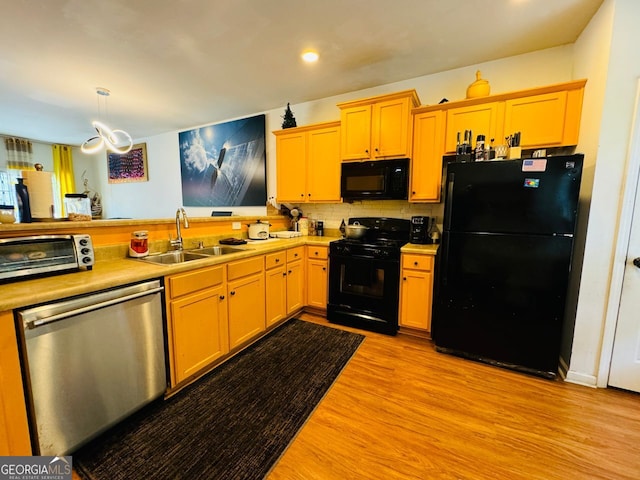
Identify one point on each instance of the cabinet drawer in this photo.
(417, 262)
(196, 280)
(272, 260)
(320, 253)
(242, 268)
(294, 254)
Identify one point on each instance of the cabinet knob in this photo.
(289, 272)
(221, 297)
(316, 253)
(324, 269)
(376, 149)
(232, 292)
(277, 260)
(366, 151)
(415, 263)
(413, 193)
(404, 278)
(284, 274)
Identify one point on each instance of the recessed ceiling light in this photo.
(310, 56)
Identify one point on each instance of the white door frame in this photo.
(622, 246)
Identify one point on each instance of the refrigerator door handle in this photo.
(449, 201)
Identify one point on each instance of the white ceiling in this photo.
(172, 65)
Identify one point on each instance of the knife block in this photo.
(514, 152)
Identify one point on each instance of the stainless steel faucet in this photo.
(180, 214)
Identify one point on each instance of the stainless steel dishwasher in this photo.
(90, 362)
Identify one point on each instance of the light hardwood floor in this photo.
(400, 410)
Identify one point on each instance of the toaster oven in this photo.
(22, 257)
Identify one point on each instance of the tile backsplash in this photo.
(333, 213)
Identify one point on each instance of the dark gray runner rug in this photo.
(234, 423)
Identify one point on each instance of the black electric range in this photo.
(364, 275)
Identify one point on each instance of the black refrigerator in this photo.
(505, 260)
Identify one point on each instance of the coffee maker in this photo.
(420, 230)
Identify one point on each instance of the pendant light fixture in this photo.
(117, 141)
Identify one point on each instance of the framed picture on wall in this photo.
(224, 164)
(128, 167)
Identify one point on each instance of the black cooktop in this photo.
(383, 239)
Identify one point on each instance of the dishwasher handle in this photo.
(70, 313)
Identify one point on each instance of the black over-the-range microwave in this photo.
(375, 180)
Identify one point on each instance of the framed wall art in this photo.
(224, 165)
(128, 167)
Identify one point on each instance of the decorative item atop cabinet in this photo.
(308, 163)
(288, 120)
(377, 127)
(479, 88)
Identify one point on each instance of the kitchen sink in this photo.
(217, 250)
(181, 256)
(169, 258)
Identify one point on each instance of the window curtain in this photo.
(19, 153)
(63, 171)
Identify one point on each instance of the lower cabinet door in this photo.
(200, 334)
(246, 309)
(276, 295)
(415, 299)
(295, 286)
(317, 278)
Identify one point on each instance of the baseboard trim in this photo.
(581, 379)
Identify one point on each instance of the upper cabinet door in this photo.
(356, 132)
(377, 127)
(481, 119)
(323, 168)
(308, 163)
(291, 166)
(391, 128)
(540, 118)
(426, 160)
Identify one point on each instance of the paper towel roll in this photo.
(40, 193)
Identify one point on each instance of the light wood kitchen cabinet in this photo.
(295, 279)
(416, 291)
(246, 296)
(14, 426)
(377, 127)
(547, 116)
(545, 120)
(276, 287)
(308, 163)
(426, 160)
(197, 309)
(284, 284)
(483, 119)
(317, 276)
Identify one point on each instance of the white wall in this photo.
(614, 140)
(591, 59)
(159, 197)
